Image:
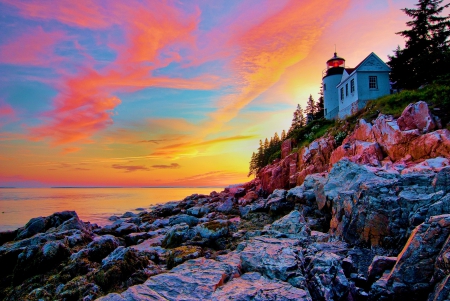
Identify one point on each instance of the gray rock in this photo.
(126, 228)
(183, 218)
(214, 229)
(326, 278)
(254, 286)
(101, 246)
(128, 214)
(274, 258)
(193, 280)
(34, 226)
(226, 207)
(293, 224)
(441, 291)
(177, 235)
(412, 274)
(198, 211)
(379, 265)
(136, 292)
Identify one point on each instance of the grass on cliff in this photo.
(437, 95)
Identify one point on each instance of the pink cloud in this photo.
(34, 47)
(90, 14)
(7, 114)
(154, 36)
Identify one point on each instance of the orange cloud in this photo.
(130, 168)
(171, 166)
(272, 46)
(35, 47)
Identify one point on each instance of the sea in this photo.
(94, 205)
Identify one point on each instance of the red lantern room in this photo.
(335, 66)
(335, 62)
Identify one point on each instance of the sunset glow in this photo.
(166, 93)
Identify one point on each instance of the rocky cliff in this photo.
(368, 220)
(387, 143)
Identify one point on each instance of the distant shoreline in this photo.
(83, 187)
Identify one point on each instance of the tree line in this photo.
(270, 149)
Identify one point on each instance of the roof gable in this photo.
(372, 63)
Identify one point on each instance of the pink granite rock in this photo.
(416, 116)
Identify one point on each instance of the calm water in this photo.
(19, 205)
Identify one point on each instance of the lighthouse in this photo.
(331, 78)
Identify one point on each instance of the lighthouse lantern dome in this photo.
(335, 62)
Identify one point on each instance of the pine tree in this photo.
(299, 120)
(320, 105)
(310, 106)
(283, 135)
(260, 156)
(426, 55)
(276, 139)
(253, 165)
(266, 145)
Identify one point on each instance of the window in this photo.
(373, 82)
(324, 87)
(346, 89)
(352, 85)
(342, 94)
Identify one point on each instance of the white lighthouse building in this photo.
(347, 90)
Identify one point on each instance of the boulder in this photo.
(124, 265)
(179, 255)
(34, 226)
(379, 265)
(101, 246)
(213, 230)
(183, 218)
(416, 116)
(226, 206)
(326, 278)
(198, 211)
(254, 286)
(126, 228)
(193, 280)
(273, 258)
(129, 214)
(293, 224)
(277, 202)
(177, 235)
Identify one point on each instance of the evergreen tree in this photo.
(253, 165)
(310, 106)
(299, 120)
(266, 145)
(426, 55)
(320, 105)
(276, 139)
(283, 135)
(260, 156)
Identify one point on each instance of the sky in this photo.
(166, 93)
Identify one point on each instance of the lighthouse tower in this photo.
(331, 78)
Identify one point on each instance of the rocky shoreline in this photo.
(367, 220)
